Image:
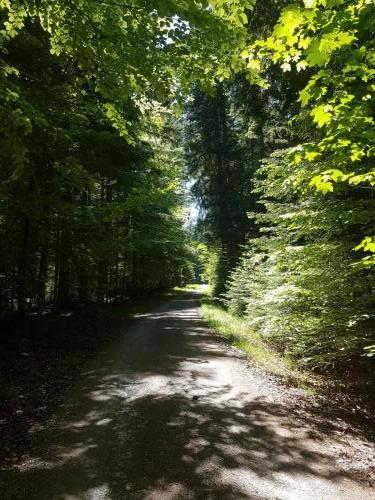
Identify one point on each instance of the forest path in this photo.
(171, 412)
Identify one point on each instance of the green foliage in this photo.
(226, 136)
(87, 213)
(296, 282)
(90, 202)
(299, 282)
(91, 193)
(216, 163)
(333, 41)
(137, 49)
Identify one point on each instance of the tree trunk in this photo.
(23, 265)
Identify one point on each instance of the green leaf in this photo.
(305, 96)
(314, 54)
(322, 114)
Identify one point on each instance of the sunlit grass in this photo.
(248, 340)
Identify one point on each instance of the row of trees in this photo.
(227, 135)
(307, 153)
(91, 197)
(299, 282)
(86, 213)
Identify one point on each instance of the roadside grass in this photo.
(240, 335)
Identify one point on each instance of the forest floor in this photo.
(162, 408)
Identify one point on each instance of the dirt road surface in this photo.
(171, 412)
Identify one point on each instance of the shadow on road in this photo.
(152, 421)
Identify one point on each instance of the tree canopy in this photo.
(275, 132)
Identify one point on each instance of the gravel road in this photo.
(169, 411)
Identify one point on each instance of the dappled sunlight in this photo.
(169, 413)
(148, 147)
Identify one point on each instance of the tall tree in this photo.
(216, 161)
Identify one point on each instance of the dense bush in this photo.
(300, 282)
